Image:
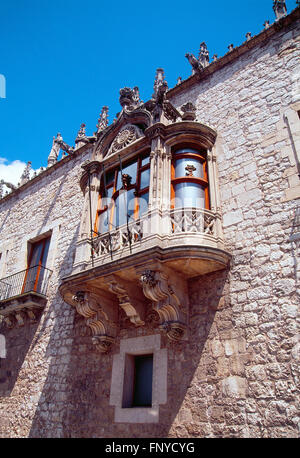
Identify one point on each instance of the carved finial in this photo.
(81, 138)
(103, 119)
(230, 47)
(26, 174)
(189, 112)
(248, 36)
(81, 132)
(179, 80)
(1, 188)
(266, 24)
(215, 57)
(279, 8)
(160, 85)
(203, 57)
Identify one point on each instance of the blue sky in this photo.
(62, 60)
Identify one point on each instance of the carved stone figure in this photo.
(203, 57)
(279, 7)
(196, 65)
(52, 158)
(130, 98)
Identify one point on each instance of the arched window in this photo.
(189, 178)
(124, 194)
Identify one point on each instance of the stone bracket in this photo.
(167, 295)
(101, 322)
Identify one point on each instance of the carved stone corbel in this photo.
(129, 299)
(103, 328)
(165, 302)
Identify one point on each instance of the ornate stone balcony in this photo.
(143, 268)
(23, 294)
(187, 234)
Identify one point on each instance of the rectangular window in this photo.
(35, 273)
(138, 376)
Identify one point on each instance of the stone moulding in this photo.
(18, 309)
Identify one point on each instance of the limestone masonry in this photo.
(206, 292)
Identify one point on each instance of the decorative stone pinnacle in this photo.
(248, 36)
(103, 119)
(203, 57)
(279, 8)
(26, 174)
(179, 79)
(215, 57)
(266, 24)
(230, 47)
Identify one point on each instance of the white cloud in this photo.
(11, 171)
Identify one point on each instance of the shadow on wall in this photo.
(75, 398)
(17, 344)
(18, 340)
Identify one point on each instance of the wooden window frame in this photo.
(138, 192)
(42, 241)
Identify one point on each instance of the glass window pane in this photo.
(45, 254)
(189, 194)
(120, 210)
(188, 167)
(143, 204)
(142, 395)
(36, 254)
(103, 222)
(187, 150)
(145, 161)
(131, 204)
(110, 176)
(145, 178)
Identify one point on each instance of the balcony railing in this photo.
(177, 221)
(35, 279)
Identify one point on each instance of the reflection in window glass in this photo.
(189, 194)
(145, 177)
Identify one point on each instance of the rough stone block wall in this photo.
(245, 102)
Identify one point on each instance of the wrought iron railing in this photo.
(35, 279)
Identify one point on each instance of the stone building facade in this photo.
(208, 291)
